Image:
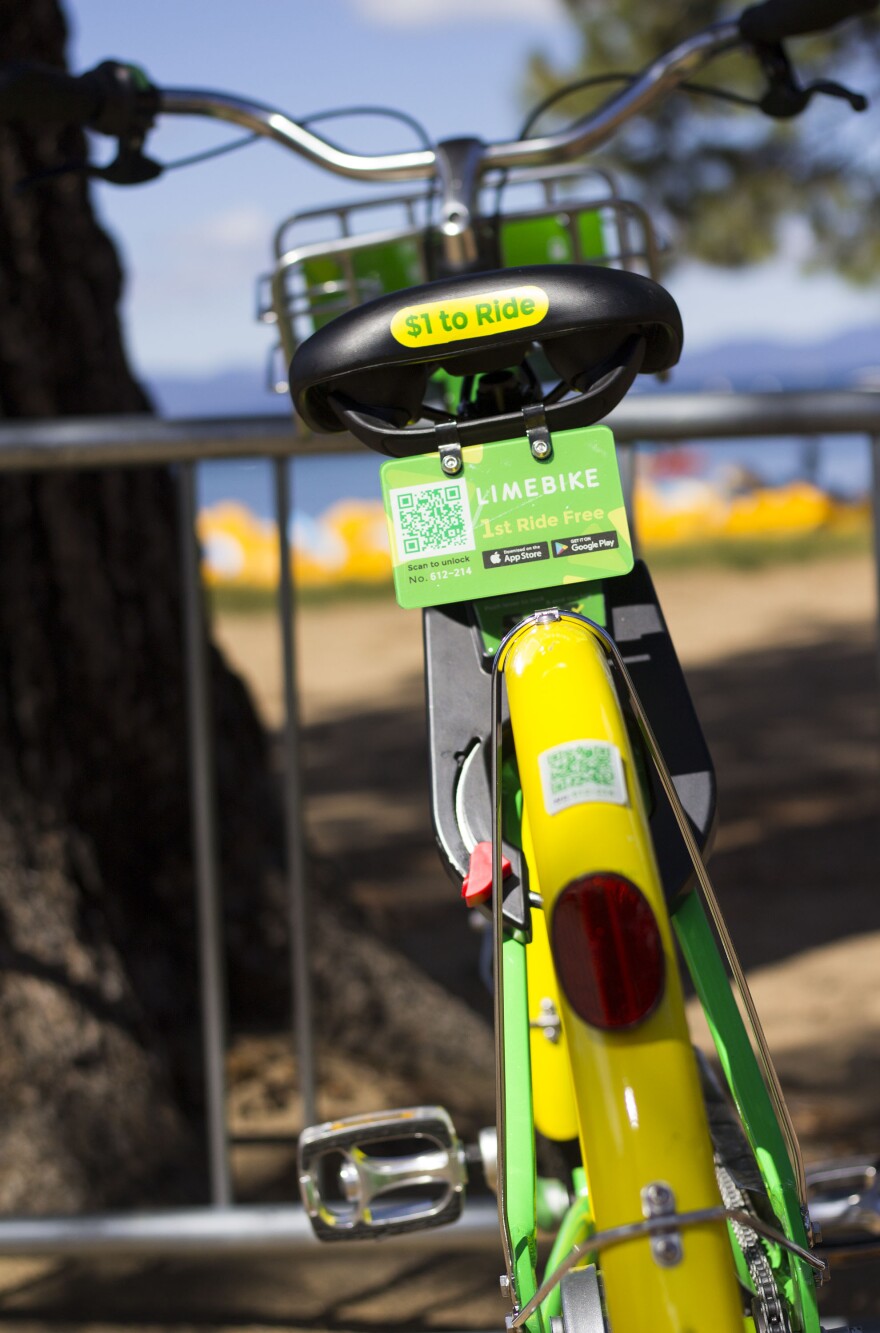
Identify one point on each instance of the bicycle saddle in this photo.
(368, 370)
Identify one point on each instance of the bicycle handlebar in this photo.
(282, 129)
(117, 99)
(599, 126)
(774, 20)
(588, 133)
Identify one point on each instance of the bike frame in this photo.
(651, 1129)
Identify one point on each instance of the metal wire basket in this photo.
(330, 260)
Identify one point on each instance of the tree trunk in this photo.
(98, 999)
(99, 1022)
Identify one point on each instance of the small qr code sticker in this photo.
(432, 519)
(578, 772)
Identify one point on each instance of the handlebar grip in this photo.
(774, 20)
(45, 95)
(113, 98)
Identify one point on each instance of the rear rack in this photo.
(388, 243)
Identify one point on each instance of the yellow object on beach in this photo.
(693, 510)
(348, 543)
(238, 549)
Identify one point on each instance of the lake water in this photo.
(840, 465)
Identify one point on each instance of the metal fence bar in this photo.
(204, 814)
(207, 1231)
(82, 442)
(626, 460)
(875, 504)
(671, 417)
(297, 881)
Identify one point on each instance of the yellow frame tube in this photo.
(639, 1107)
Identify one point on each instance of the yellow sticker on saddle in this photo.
(480, 316)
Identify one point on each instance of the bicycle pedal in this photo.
(844, 1200)
(382, 1174)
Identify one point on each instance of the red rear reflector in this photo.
(608, 951)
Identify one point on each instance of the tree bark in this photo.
(98, 998)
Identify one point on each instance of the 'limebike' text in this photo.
(532, 488)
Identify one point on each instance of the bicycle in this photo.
(553, 801)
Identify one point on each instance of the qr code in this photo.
(432, 519)
(581, 771)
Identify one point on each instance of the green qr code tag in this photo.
(578, 772)
(508, 523)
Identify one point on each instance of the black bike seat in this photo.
(381, 355)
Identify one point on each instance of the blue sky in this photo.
(194, 242)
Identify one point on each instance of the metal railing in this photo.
(138, 441)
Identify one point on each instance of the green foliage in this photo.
(729, 177)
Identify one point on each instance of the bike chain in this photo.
(770, 1313)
